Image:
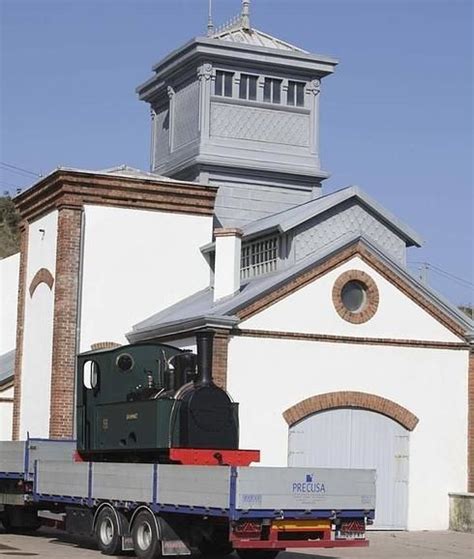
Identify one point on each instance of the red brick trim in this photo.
(470, 425)
(360, 400)
(228, 232)
(371, 293)
(42, 276)
(104, 345)
(20, 325)
(65, 323)
(422, 344)
(73, 189)
(317, 271)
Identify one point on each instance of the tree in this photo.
(467, 309)
(9, 227)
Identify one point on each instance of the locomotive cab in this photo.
(138, 402)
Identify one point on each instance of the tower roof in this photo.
(253, 37)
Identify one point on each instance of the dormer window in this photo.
(259, 257)
(223, 83)
(272, 90)
(295, 94)
(248, 87)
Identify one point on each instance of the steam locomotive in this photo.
(152, 402)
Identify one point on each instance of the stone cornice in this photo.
(75, 188)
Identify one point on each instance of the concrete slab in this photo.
(53, 544)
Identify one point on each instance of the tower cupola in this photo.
(239, 109)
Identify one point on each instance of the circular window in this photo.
(125, 362)
(355, 296)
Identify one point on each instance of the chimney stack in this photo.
(227, 263)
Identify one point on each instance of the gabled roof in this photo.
(254, 37)
(199, 310)
(286, 220)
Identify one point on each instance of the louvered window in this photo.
(259, 257)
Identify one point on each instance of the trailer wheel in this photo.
(146, 539)
(257, 553)
(107, 532)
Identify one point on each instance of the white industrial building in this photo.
(338, 356)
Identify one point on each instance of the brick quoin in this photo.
(470, 428)
(360, 400)
(20, 329)
(65, 322)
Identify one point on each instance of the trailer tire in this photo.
(145, 535)
(107, 532)
(257, 553)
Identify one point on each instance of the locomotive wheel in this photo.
(107, 532)
(257, 553)
(146, 539)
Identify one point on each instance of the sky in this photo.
(396, 116)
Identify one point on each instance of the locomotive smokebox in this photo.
(204, 341)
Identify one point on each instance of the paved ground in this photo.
(51, 544)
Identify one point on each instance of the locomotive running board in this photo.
(213, 457)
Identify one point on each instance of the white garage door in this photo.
(353, 438)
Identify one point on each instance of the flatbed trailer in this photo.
(169, 509)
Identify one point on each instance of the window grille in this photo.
(272, 90)
(223, 83)
(295, 94)
(248, 87)
(259, 257)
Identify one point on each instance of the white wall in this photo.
(311, 310)
(6, 414)
(9, 269)
(135, 264)
(267, 376)
(38, 329)
(431, 383)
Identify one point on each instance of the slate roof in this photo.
(199, 310)
(7, 366)
(286, 220)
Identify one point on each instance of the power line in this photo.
(444, 273)
(14, 168)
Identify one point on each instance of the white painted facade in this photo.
(134, 261)
(9, 270)
(431, 383)
(38, 329)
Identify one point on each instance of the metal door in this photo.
(352, 438)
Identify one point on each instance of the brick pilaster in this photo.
(20, 325)
(470, 425)
(219, 358)
(65, 323)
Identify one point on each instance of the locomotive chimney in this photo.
(204, 342)
(227, 264)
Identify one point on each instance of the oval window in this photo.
(90, 372)
(125, 362)
(354, 296)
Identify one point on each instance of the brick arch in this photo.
(360, 400)
(42, 276)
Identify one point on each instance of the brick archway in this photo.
(42, 276)
(360, 400)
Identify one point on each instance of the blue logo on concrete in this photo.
(310, 485)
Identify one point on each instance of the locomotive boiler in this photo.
(142, 401)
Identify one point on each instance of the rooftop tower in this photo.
(239, 109)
